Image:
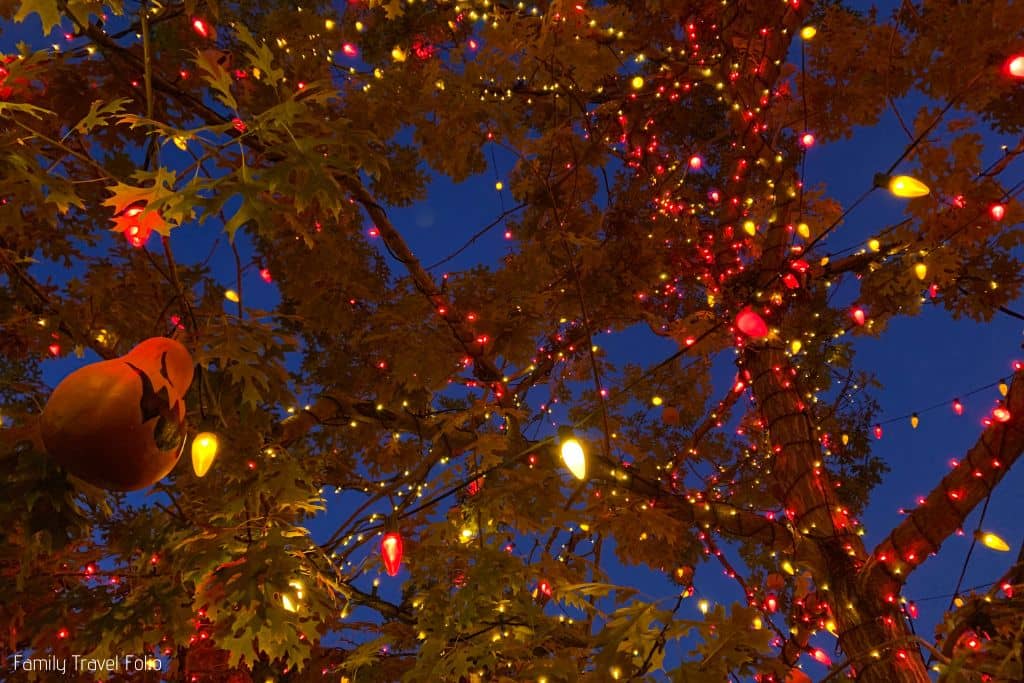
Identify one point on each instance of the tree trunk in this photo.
(872, 633)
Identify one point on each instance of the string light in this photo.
(808, 32)
(573, 456)
(204, 450)
(751, 324)
(1015, 66)
(391, 550)
(992, 541)
(906, 187)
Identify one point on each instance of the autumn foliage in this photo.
(245, 178)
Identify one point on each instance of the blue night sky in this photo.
(920, 361)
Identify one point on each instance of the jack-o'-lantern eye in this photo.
(152, 403)
(163, 368)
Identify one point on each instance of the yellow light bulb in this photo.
(232, 296)
(703, 606)
(808, 32)
(846, 439)
(804, 230)
(204, 450)
(637, 82)
(907, 187)
(795, 346)
(750, 227)
(574, 458)
(787, 567)
(499, 186)
(921, 271)
(874, 245)
(656, 400)
(288, 604)
(1003, 388)
(991, 540)
(914, 420)
(398, 54)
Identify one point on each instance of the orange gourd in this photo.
(120, 424)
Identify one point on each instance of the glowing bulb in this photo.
(1003, 387)
(232, 296)
(914, 421)
(907, 187)
(750, 227)
(288, 604)
(787, 567)
(751, 324)
(878, 431)
(795, 346)
(499, 186)
(201, 27)
(991, 540)
(1015, 66)
(574, 458)
(656, 400)
(921, 271)
(703, 606)
(391, 552)
(807, 140)
(808, 32)
(204, 450)
(997, 211)
(1001, 414)
(398, 54)
(874, 245)
(696, 162)
(858, 315)
(637, 82)
(804, 230)
(958, 407)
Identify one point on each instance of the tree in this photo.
(657, 181)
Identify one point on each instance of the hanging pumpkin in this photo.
(120, 424)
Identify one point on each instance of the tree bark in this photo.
(872, 632)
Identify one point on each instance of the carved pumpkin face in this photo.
(120, 424)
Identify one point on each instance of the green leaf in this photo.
(30, 109)
(99, 113)
(212, 63)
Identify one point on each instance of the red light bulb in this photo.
(201, 27)
(858, 315)
(878, 431)
(696, 162)
(997, 211)
(807, 140)
(958, 407)
(391, 552)
(1001, 414)
(1015, 66)
(751, 324)
(350, 50)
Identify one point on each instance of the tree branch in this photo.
(948, 505)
